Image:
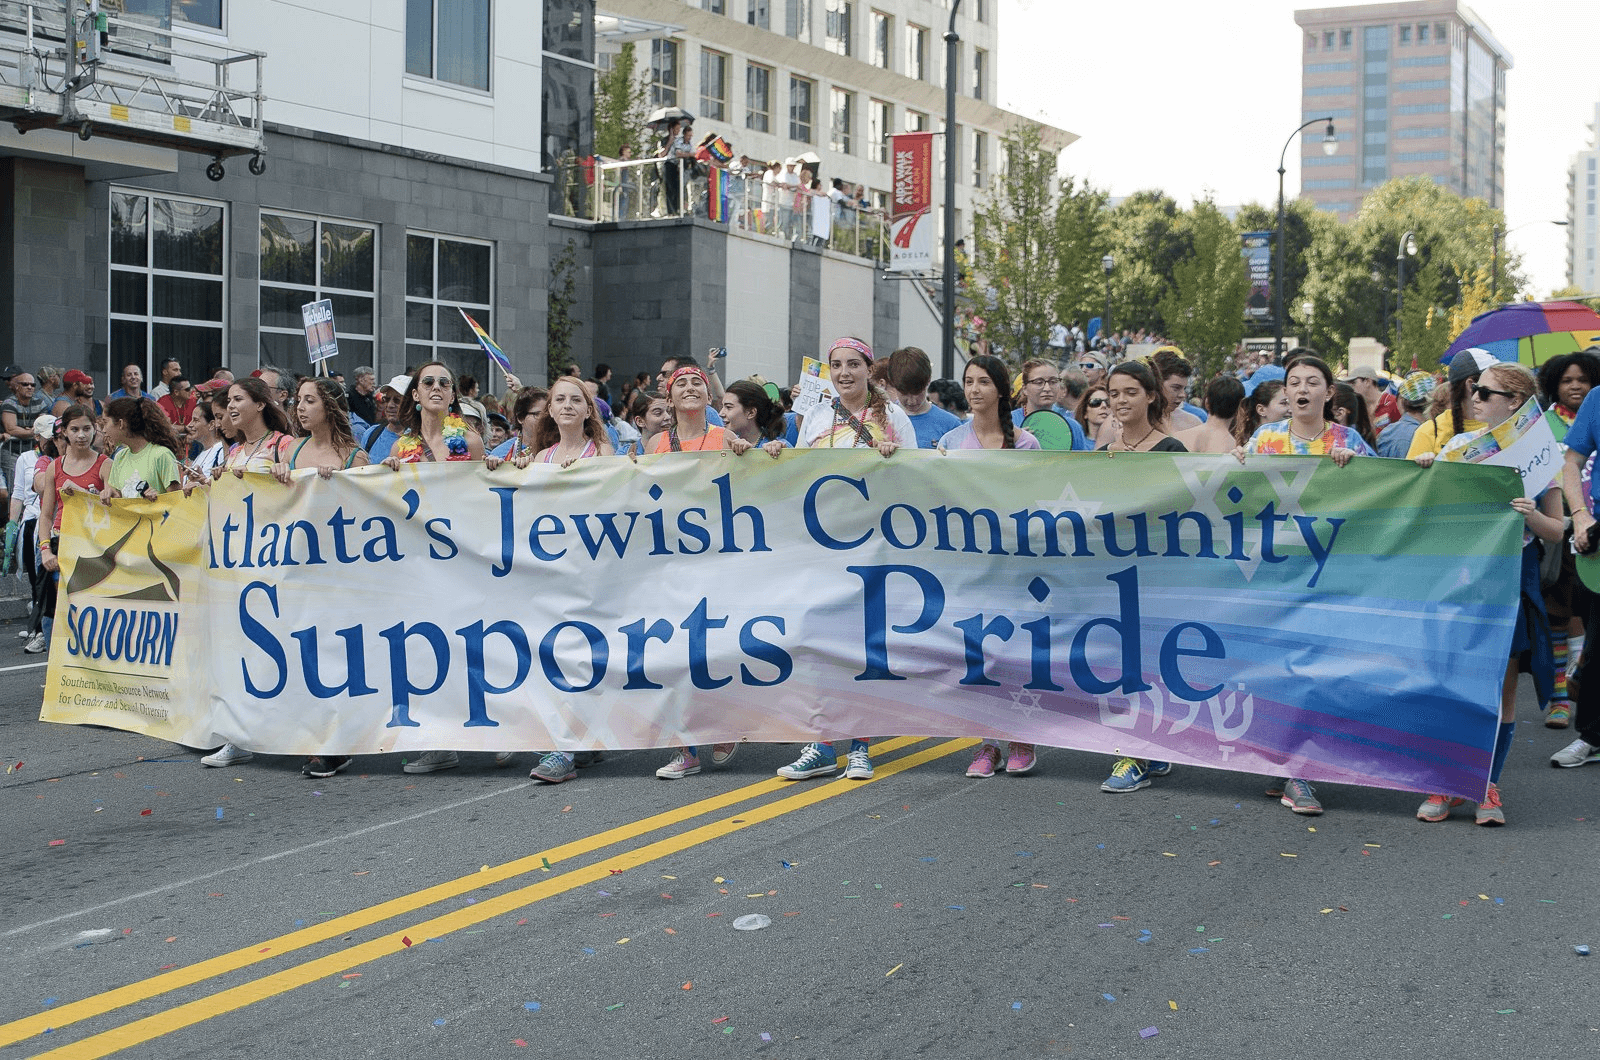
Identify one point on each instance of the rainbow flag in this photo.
(495, 353)
(717, 188)
(720, 150)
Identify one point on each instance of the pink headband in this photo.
(687, 369)
(852, 344)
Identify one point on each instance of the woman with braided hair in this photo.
(861, 417)
(987, 386)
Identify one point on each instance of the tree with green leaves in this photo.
(1203, 309)
(560, 324)
(1148, 239)
(1030, 234)
(621, 104)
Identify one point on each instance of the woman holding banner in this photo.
(752, 417)
(146, 448)
(987, 386)
(260, 426)
(1500, 391)
(1310, 430)
(79, 469)
(326, 442)
(861, 418)
(689, 394)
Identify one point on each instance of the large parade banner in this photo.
(1286, 617)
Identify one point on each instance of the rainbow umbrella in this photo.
(1530, 332)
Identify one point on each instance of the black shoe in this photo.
(585, 759)
(325, 766)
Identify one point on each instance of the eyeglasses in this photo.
(436, 380)
(1482, 392)
(1096, 403)
(1054, 380)
(1088, 366)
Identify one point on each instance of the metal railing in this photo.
(653, 188)
(122, 77)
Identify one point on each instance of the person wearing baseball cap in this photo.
(381, 438)
(1465, 367)
(1373, 389)
(77, 389)
(1416, 392)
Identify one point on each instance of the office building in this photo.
(1414, 88)
(1583, 272)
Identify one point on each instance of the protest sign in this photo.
(1175, 607)
(815, 389)
(321, 343)
(1523, 443)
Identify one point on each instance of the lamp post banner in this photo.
(1258, 262)
(1285, 616)
(911, 202)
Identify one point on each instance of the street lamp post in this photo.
(1499, 233)
(1330, 145)
(947, 351)
(1107, 263)
(1407, 248)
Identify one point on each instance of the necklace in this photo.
(1129, 447)
(1322, 425)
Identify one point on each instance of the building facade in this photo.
(1414, 88)
(394, 169)
(1583, 235)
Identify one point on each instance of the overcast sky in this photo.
(1195, 97)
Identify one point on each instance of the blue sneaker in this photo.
(1131, 774)
(817, 760)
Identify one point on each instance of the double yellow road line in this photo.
(343, 960)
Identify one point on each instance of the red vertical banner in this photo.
(911, 202)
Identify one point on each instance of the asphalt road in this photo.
(156, 908)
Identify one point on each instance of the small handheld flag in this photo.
(495, 353)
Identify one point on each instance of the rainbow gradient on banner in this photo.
(489, 345)
(717, 198)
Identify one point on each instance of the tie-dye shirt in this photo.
(1279, 440)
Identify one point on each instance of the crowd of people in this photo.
(60, 439)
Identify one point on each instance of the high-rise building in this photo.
(1414, 88)
(1583, 271)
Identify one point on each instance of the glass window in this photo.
(980, 10)
(882, 39)
(207, 13)
(980, 160)
(168, 287)
(569, 29)
(800, 115)
(1422, 33)
(1311, 42)
(916, 121)
(758, 98)
(448, 40)
(1405, 35)
(1345, 38)
(713, 85)
(980, 72)
(443, 276)
(713, 6)
(1327, 41)
(842, 119)
(1441, 33)
(916, 52)
(797, 20)
(840, 21)
(307, 259)
(880, 119)
(758, 13)
(663, 74)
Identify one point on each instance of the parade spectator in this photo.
(1416, 391)
(49, 377)
(132, 383)
(363, 385)
(1041, 388)
(169, 370)
(179, 402)
(276, 381)
(908, 374)
(860, 417)
(1501, 390)
(18, 412)
(1224, 396)
(1350, 411)
(382, 435)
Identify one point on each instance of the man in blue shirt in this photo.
(1581, 441)
(1394, 441)
(908, 373)
(132, 383)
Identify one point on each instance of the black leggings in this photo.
(1586, 707)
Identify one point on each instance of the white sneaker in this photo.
(683, 764)
(227, 755)
(432, 762)
(35, 645)
(1576, 753)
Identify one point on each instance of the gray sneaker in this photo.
(227, 755)
(1300, 797)
(555, 767)
(35, 645)
(432, 762)
(1576, 753)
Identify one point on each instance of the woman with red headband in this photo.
(861, 417)
(689, 394)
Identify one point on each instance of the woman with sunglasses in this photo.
(689, 394)
(1094, 408)
(860, 418)
(1500, 391)
(434, 433)
(1310, 430)
(987, 386)
(1456, 417)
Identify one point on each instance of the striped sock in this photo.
(1558, 645)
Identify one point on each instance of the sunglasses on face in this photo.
(436, 380)
(1482, 392)
(1096, 403)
